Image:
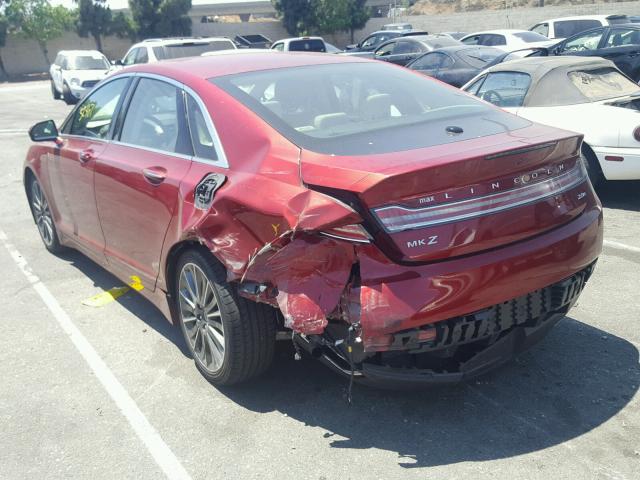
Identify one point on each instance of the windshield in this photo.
(602, 84)
(196, 49)
(478, 57)
(87, 63)
(530, 37)
(363, 108)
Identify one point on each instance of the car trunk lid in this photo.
(459, 198)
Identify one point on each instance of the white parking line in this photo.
(158, 449)
(621, 246)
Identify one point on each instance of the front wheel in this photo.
(230, 338)
(54, 91)
(67, 96)
(43, 218)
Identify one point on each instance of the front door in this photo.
(138, 179)
(85, 138)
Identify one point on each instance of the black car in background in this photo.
(371, 41)
(618, 43)
(404, 50)
(456, 65)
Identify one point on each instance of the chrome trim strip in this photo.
(347, 239)
(578, 171)
(222, 161)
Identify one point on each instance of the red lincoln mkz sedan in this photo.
(405, 232)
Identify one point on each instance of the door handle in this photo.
(87, 155)
(155, 175)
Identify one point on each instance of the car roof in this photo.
(583, 17)
(80, 53)
(550, 84)
(292, 39)
(179, 40)
(459, 48)
(504, 31)
(193, 68)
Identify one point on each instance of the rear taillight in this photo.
(528, 189)
(352, 233)
(636, 134)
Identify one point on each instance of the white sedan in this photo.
(584, 94)
(508, 39)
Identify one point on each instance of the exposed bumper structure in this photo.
(619, 163)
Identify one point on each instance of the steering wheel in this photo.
(489, 94)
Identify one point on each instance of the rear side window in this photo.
(156, 119)
(311, 45)
(93, 116)
(203, 146)
(505, 89)
(568, 28)
(619, 37)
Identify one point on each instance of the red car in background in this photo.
(405, 232)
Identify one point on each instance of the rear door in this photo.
(138, 177)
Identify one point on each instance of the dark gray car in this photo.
(455, 65)
(404, 50)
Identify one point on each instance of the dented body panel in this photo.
(272, 218)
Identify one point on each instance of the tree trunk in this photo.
(4, 76)
(98, 40)
(45, 52)
(352, 32)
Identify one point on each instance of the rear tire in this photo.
(42, 216)
(67, 96)
(593, 166)
(230, 338)
(54, 91)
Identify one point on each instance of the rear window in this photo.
(307, 46)
(363, 108)
(602, 84)
(194, 49)
(568, 28)
(530, 37)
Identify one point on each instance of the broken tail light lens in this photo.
(352, 233)
(398, 218)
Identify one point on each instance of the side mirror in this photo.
(351, 47)
(119, 63)
(45, 132)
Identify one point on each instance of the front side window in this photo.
(602, 84)
(374, 40)
(473, 88)
(92, 118)
(542, 29)
(406, 47)
(505, 89)
(474, 40)
(203, 146)
(491, 40)
(362, 108)
(130, 59)
(142, 56)
(587, 41)
(279, 47)
(385, 50)
(155, 118)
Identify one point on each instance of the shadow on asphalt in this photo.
(576, 379)
(620, 195)
(132, 301)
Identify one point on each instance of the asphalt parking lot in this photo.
(109, 392)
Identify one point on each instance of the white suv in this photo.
(157, 49)
(560, 28)
(75, 72)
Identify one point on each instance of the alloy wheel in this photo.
(42, 214)
(201, 317)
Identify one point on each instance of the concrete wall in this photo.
(24, 57)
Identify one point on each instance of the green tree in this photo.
(331, 16)
(359, 15)
(38, 20)
(298, 16)
(96, 19)
(4, 24)
(161, 18)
